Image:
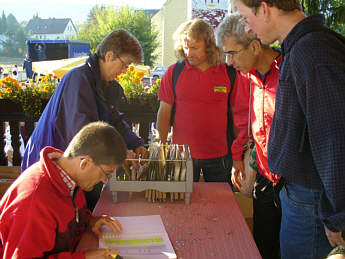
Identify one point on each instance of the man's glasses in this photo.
(106, 174)
(124, 65)
(233, 53)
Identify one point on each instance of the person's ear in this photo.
(255, 46)
(109, 56)
(84, 162)
(266, 11)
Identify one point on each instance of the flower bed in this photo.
(34, 96)
(135, 90)
(31, 96)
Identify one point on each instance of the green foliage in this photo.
(14, 46)
(136, 92)
(32, 96)
(333, 10)
(102, 20)
(3, 23)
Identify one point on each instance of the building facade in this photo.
(175, 12)
(51, 29)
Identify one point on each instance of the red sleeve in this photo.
(29, 231)
(165, 91)
(239, 101)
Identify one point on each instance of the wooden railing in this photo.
(13, 114)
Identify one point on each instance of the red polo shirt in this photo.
(201, 109)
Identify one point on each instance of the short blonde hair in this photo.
(198, 29)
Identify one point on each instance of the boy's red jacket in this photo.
(37, 214)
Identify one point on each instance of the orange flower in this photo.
(140, 74)
(8, 90)
(136, 80)
(131, 68)
(46, 88)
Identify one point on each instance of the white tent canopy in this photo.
(57, 67)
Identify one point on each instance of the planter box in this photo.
(13, 113)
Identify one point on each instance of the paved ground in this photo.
(7, 63)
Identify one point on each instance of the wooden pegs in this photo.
(182, 195)
(153, 195)
(149, 195)
(158, 195)
(176, 196)
(164, 196)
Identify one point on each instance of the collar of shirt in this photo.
(214, 68)
(65, 177)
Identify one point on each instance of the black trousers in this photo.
(267, 218)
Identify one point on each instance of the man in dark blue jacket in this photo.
(88, 93)
(27, 66)
(307, 137)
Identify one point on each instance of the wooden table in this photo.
(212, 226)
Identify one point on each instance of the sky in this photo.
(78, 10)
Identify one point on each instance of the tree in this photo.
(12, 23)
(102, 20)
(14, 45)
(333, 10)
(3, 23)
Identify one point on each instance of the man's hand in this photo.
(141, 152)
(163, 120)
(237, 172)
(101, 253)
(334, 238)
(96, 222)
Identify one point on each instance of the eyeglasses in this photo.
(106, 174)
(124, 65)
(233, 53)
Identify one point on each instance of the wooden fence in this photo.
(11, 113)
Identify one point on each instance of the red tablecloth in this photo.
(212, 226)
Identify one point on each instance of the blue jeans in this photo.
(214, 169)
(302, 233)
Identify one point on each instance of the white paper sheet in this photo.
(143, 237)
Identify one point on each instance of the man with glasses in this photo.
(89, 93)
(246, 53)
(307, 139)
(43, 214)
(202, 91)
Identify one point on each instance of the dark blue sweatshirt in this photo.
(307, 137)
